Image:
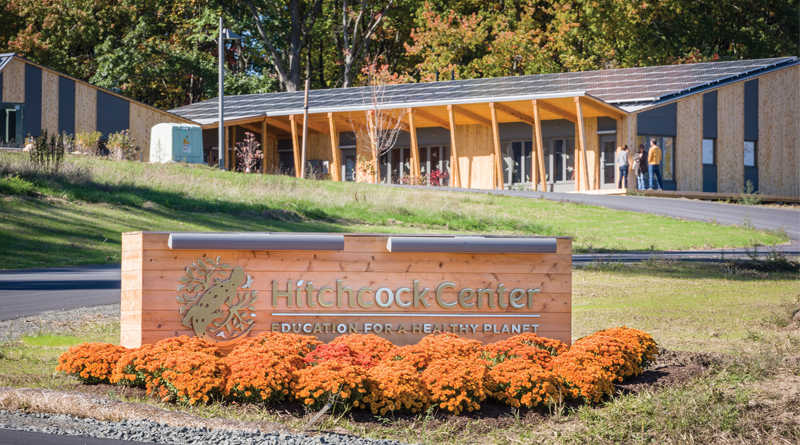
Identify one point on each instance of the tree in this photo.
(360, 20)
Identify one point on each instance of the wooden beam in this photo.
(602, 107)
(275, 122)
(254, 127)
(342, 122)
(240, 121)
(558, 112)
(537, 128)
(319, 127)
(498, 160)
(295, 144)
(263, 146)
(582, 137)
(425, 115)
(372, 148)
(412, 130)
(472, 116)
(334, 169)
(456, 179)
(515, 114)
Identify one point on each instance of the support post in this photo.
(412, 130)
(372, 148)
(537, 128)
(232, 149)
(334, 149)
(264, 146)
(305, 131)
(456, 180)
(295, 145)
(499, 182)
(582, 137)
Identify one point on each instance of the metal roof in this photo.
(628, 88)
(4, 59)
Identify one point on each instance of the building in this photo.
(34, 97)
(719, 125)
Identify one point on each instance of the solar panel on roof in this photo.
(617, 86)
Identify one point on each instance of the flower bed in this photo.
(446, 371)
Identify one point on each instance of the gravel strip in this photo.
(56, 322)
(149, 431)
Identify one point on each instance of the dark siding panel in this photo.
(662, 121)
(33, 101)
(112, 114)
(751, 110)
(606, 124)
(710, 178)
(751, 174)
(66, 105)
(710, 115)
(1, 87)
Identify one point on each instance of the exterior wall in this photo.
(50, 102)
(689, 144)
(779, 133)
(476, 156)
(14, 81)
(85, 108)
(319, 148)
(142, 120)
(592, 155)
(730, 138)
(626, 135)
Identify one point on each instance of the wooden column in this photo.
(295, 145)
(537, 128)
(582, 137)
(499, 182)
(456, 180)
(264, 146)
(231, 152)
(412, 130)
(373, 150)
(334, 168)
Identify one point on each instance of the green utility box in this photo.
(176, 143)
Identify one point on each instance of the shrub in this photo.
(339, 383)
(374, 347)
(188, 377)
(396, 386)
(258, 377)
(456, 385)
(292, 347)
(341, 353)
(91, 363)
(87, 143)
(120, 146)
(521, 382)
(412, 355)
(584, 378)
(640, 343)
(248, 152)
(48, 152)
(611, 353)
(528, 346)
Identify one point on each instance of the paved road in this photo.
(694, 210)
(14, 437)
(35, 291)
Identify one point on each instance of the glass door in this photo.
(349, 165)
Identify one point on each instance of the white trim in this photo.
(607, 132)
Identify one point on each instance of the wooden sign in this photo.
(224, 287)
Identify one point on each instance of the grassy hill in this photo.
(76, 216)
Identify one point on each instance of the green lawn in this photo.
(77, 216)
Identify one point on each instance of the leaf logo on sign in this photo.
(217, 307)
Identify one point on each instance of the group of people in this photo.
(644, 162)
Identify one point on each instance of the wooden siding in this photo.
(626, 134)
(50, 101)
(779, 132)
(730, 138)
(271, 157)
(476, 156)
(141, 121)
(14, 81)
(689, 144)
(85, 108)
(319, 147)
(593, 152)
(151, 273)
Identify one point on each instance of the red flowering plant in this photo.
(455, 384)
(374, 347)
(188, 377)
(338, 382)
(91, 363)
(257, 377)
(521, 382)
(395, 386)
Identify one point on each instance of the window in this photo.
(749, 153)
(667, 146)
(708, 151)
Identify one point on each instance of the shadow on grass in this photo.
(733, 270)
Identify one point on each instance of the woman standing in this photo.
(622, 162)
(639, 160)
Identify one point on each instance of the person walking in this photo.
(654, 164)
(622, 162)
(639, 162)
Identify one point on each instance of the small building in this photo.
(34, 97)
(718, 124)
